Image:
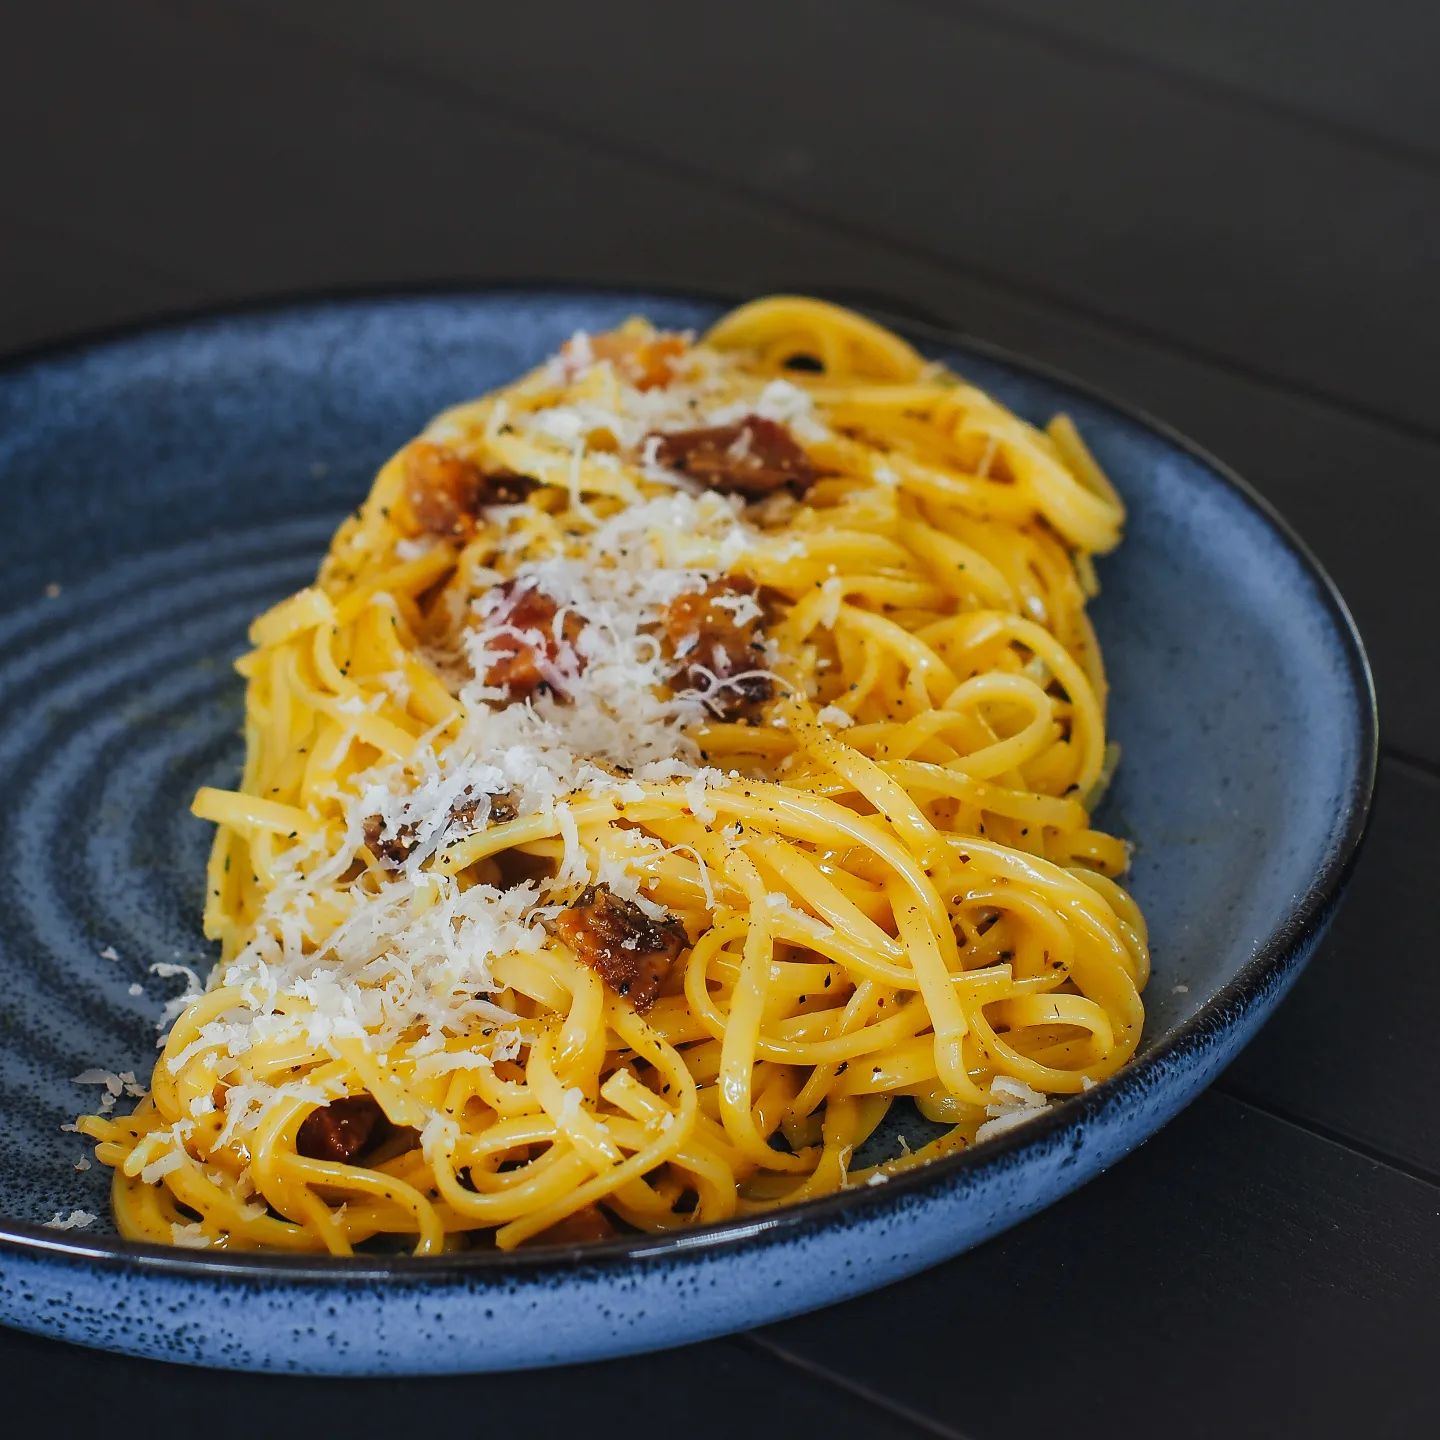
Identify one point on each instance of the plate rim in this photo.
(1267, 969)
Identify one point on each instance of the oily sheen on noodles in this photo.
(684, 754)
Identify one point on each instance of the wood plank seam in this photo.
(1242, 1095)
(1411, 761)
(894, 1408)
(1240, 97)
(542, 122)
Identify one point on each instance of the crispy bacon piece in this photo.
(647, 362)
(395, 851)
(630, 952)
(445, 492)
(506, 487)
(753, 457)
(342, 1130)
(527, 656)
(709, 644)
(591, 1223)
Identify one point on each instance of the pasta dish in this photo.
(683, 761)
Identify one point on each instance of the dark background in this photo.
(1224, 210)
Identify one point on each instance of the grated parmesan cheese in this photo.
(75, 1220)
(158, 1169)
(1012, 1103)
(440, 1132)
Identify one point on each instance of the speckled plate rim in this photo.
(1254, 986)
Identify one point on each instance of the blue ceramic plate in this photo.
(165, 486)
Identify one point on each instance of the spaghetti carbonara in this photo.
(684, 755)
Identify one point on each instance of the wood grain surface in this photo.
(1226, 211)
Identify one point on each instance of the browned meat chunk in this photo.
(630, 952)
(445, 492)
(527, 656)
(506, 487)
(395, 851)
(342, 1130)
(754, 458)
(503, 808)
(712, 647)
(591, 1223)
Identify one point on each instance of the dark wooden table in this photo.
(1225, 210)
